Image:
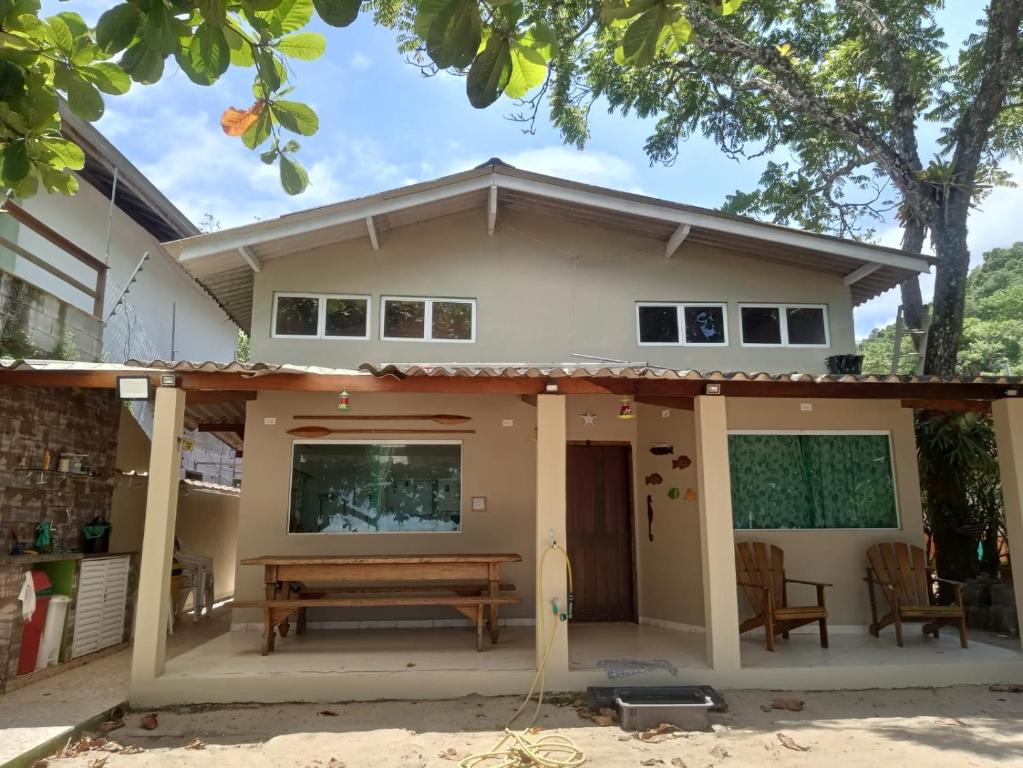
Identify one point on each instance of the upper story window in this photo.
(320, 316)
(414, 319)
(784, 325)
(662, 323)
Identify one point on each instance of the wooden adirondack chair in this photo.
(901, 571)
(761, 574)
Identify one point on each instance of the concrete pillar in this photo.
(717, 538)
(1008, 417)
(158, 538)
(551, 508)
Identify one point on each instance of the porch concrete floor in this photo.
(51, 708)
(342, 651)
(589, 644)
(855, 650)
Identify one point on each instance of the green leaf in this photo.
(241, 48)
(269, 156)
(454, 33)
(117, 28)
(14, 162)
(616, 10)
(292, 14)
(143, 63)
(85, 100)
(107, 76)
(296, 117)
(338, 13)
(528, 70)
(61, 34)
(209, 50)
(28, 186)
(294, 178)
(159, 31)
(12, 81)
(61, 182)
(74, 22)
(65, 154)
(728, 7)
(269, 69)
(306, 46)
(183, 56)
(489, 73)
(258, 132)
(644, 36)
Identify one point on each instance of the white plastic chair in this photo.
(197, 572)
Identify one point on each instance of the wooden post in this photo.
(717, 537)
(158, 538)
(1008, 417)
(551, 512)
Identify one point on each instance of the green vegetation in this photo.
(992, 322)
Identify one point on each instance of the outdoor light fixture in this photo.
(168, 380)
(551, 388)
(713, 389)
(133, 387)
(1011, 392)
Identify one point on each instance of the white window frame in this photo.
(427, 318)
(852, 432)
(461, 498)
(321, 315)
(783, 321)
(680, 318)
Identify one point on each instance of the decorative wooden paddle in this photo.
(326, 432)
(439, 418)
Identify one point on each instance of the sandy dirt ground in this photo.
(954, 727)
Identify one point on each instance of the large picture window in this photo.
(376, 487)
(411, 319)
(689, 324)
(812, 481)
(320, 316)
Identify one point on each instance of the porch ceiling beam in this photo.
(371, 230)
(678, 403)
(958, 406)
(677, 238)
(204, 397)
(250, 258)
(858, 274)
(529, 400)
(492, 209)
(237, 428)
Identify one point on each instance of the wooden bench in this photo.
(277, 613)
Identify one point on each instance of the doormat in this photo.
(619, 668)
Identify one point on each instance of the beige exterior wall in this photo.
(545, 288)
(498, 462)
(207, 523)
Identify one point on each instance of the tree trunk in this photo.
(913, 234)
(948, 233)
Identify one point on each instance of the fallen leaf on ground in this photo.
(449, 754)
(117, 713)
(41, 763)
(328, 713)
(661, 729)
(196, 744)
(1006, 688)
(150, 721)
(789, 743)
(792, 705)
(720, 752)
(652, 761)
(602, 720)
(110, 725)
(335, 763)
(131, 749)
(99, 762)
(766, 708)
(678, 762)
(410, 664)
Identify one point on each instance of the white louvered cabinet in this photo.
(101, 604)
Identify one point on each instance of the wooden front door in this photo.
(600, 531)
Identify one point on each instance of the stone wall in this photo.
(63, 420)
(37, 324)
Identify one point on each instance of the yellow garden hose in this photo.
(519, 749)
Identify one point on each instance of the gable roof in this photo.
(225, 261)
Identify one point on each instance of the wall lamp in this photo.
(133, 387)
(712, 389)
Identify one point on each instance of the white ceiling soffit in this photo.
(235, 244)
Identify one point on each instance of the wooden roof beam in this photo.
(858, 274)
(371, 230)
(250, 258)
(492, 209)
(952, 406)
(677, 238)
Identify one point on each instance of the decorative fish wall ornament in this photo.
(681, 462)
(690, 494)
(674, 493)
(662, 449)
(654, 479)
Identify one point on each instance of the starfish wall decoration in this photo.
(588, 417)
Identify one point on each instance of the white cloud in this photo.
(361, 62)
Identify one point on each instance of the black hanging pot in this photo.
(844, 364)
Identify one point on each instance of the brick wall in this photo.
(64, 420)
(28, 314)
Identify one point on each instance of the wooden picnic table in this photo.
(381, 580)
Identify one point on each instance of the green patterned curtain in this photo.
(812, 481)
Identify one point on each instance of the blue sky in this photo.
(382, 124)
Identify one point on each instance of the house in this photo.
(85, 278)
(514, 361)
